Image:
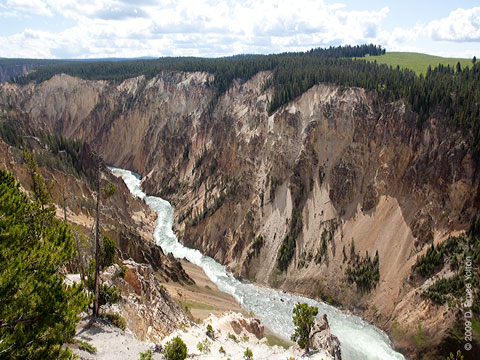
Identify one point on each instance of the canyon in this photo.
(334, 174)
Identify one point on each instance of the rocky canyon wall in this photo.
(335, 174)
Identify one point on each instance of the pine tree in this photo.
(39, 188)
(303, 319)
(108, 190)
(38, 311)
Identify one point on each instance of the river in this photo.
(359, 340)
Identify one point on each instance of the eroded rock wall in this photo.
(335, 167)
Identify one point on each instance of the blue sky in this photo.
(131, 28)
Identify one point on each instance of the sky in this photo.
(210, 28)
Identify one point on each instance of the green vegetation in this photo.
(419, 337)
(416, 62)
(38, 312)
(450, 92)
(10, 134)
(175, 349)
(85, 346)
(58, 152)
(196, 305)
(210, 332)
(40, 190)
(455, 339)
(457, 356)
(364, 272)
(225, 70)
(14, 67)
(210, 209)
(431, 262)
(122, 271)
(276, 341)
(397, 331)
(66, 154)
(116, 319)
(204, 346)
(232, 337)
(443, 289)
(460, 290)
(248, 354)
(289, 243)
(303, 319)
(258, 244)
(147, 355)
(222, 350)
(329, 228)
(107, 294)
(463, 254)
(274, 182)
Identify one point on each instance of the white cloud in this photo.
(460, 25)
(37, 7)
(203, 27)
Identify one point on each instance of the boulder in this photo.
(253, 326)
(322, 339)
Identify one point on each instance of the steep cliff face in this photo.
(127, 220)
(8, 71)
(327, 178)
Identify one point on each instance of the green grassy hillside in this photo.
(416, 61)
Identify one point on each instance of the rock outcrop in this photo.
(253, 326)
(146, 305)
(322, 339)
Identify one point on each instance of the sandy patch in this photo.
(204, 298)
(111, 343)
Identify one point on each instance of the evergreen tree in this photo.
(303, 318)
(38, 311)
(40, 189)
(104, 253)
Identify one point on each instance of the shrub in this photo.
(147, 355)
(85, 346)
(210, 331)
(458, 356)
(108, 294)
(175, 349)
(248, 355)
(122, 271)
(204, 346)
(117, 320)
(258, 244)
(232, 337)
(222, 350)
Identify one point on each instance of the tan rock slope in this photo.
(336, 167)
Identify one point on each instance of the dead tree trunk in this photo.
(97, 243)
